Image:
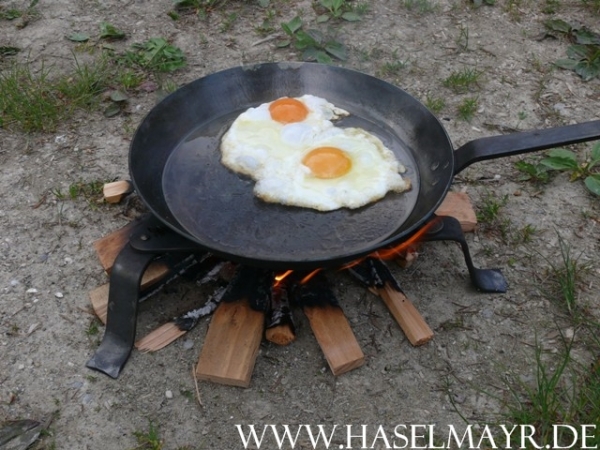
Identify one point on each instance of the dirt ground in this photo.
(48, 264)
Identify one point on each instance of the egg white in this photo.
(271, 153)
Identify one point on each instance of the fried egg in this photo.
(298, 157)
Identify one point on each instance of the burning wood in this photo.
(280, 323)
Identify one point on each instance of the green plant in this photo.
(490, 207)
(25, 15)
(583, 56)
(467, 108)
(392, 67)
(339, 9)
(463, 39)
(28, 99)
(462, 81)
(535, 172)
(156, 55)
(593, 5)
(149, 440)
(110, 32)
(551, 6)
(434, 104)
(565, 160)
(566, 275)
(421, 6)
(83, 87)
(314, 45)
(478, 3)
(568, 393)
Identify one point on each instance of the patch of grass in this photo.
(593, 5)
(434, 104)
(91, 190)
(391, 68)
(551, 6)
(462, 81)
(156, 55)
(421, 6)
(467, 108)
(29, 100)
(87, 82)
(565, 277)
(25, 15)
(93, 328)
(489, 211)
(149, 440)
(567, 393)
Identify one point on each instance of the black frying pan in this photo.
(175, 165)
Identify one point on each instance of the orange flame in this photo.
(307, 278)
(394, 252)
(282, 276)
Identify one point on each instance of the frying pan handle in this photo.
(524, 142)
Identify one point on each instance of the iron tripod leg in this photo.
(486, 280)
(124, 293)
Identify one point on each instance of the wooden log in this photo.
(108, 247)
(280, 334)
(231, 344)
(115, 191)
(458, 205)
(408, 317)
(99, 297)
(335, 337)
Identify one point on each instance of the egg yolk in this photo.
(327, 162)
(288, 110)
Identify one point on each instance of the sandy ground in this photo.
(48, 264)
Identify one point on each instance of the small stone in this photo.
(58, 295)
(169, 394)
(32, 291)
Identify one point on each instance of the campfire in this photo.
(251, 303)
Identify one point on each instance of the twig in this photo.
(197, 388)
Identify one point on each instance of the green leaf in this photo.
(596, 152)
(578, 52)
(558, 25)
(351, 16)
(587, 37)
(283, 43)
(563, 153)
(323, 58)
(9, 51)
(108, 31)
(593, 183)
(559, 163)
(588, 70)
(292, 26)
(311, 54)
(264, 3)
(337, 50)
(78, 37)
(322, 18)
(569, 64)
